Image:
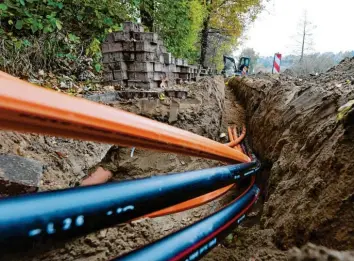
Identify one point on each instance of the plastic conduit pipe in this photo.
(229, 131)
(192, 203)
(237, 146)
(85, 209)
(27, 108)
(233, 137)
(239, 139)
(243, 147)
(196, 240)
(195, 202)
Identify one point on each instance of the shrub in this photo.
(55, 34)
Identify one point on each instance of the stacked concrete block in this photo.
(179, 61)
(136, 59)
(141, 67)
(148, 37)
(132, 27)
(183, 72)
(167, 58)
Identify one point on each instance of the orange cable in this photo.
(28, 108)
(239, 139)
(238, 146)
(198, 201)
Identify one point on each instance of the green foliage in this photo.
(56, 34)
(232, 16)
(82, 17)
(178, 22)
(228, 19)
(94, 50)
(220, 48)
(64, 27)
(196, 16)
(171, 21)
(3, 7)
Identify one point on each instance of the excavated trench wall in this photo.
(67, 161)
(293, 125)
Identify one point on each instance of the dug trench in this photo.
(66, 162)
(304, 129)
(292, 127)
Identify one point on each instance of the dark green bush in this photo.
(53, 34)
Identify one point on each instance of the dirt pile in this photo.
(294, 129)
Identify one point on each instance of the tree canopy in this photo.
(226, 20)
(177, 21)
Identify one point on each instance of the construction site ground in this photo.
(292, 125)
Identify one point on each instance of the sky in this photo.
(275, 29)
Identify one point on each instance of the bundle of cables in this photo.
(45, 216)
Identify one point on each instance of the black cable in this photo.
(69, 212)
(196, 240)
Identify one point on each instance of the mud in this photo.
(294, 129)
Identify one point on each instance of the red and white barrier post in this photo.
(276, 62)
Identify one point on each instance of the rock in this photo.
(80, 90)
(317, 253)
(86, 75)
(102, 234)
(35, 81)
(289, 72)
(109, 88)
(63, 85)
(19, 175)
(173, 112)
(41, 73)
(104, 97)
(92, 241)
(222, 135)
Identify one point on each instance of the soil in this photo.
(316, 253)
(65, 161)
(294, 129)
(200, 112)
(292, 126)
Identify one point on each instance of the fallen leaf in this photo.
(61, 155)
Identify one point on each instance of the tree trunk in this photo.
(303, 42)
(204, 41)
(146, 9)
